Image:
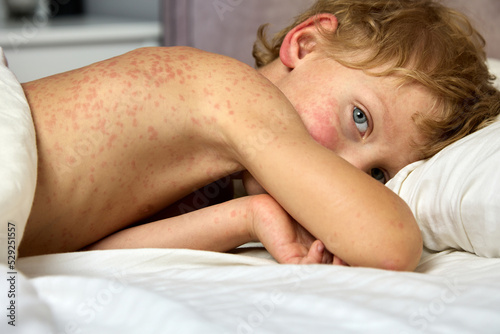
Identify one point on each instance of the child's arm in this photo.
(224, 227)
(355, 216)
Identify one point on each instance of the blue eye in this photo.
(360, 120)
(378, 175)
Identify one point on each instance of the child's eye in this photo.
(360, 120)
(378, 175)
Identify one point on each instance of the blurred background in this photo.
(43, 37)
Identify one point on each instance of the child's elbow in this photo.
(404, 254)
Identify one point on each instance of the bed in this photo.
(455, 288)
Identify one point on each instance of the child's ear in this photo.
(302, 39)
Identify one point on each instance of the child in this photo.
(344, 98)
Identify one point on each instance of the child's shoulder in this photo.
(216, 85)
(203, 66)
(188, 57)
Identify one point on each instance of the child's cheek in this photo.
(322, 123)
(325, 133)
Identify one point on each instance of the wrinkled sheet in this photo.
(185, 291)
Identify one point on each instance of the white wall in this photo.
(140, 9)
(3, 12)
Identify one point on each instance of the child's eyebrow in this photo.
(376, 100)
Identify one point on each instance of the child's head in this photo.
(418, 40)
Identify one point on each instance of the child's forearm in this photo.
(224, 227)
(357, 218)
(216, 228)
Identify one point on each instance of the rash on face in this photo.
(321, 123)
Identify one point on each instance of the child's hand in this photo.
(316, 254)
(286, 240)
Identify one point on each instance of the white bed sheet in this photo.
(184, 291)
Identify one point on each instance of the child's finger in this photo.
(315, 253)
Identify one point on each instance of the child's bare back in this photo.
(124, 138)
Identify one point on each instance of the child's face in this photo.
(366, 120)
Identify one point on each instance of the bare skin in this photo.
(122, 139)
(86, 170)
(100, 155)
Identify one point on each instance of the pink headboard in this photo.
(229, 26)
(225, 26)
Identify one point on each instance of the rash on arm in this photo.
(224, 227)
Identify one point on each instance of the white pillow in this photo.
(18, 159)
(494, 65)
(455, 195)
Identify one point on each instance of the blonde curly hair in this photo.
(422, 41)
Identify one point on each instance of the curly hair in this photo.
(419, 40)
